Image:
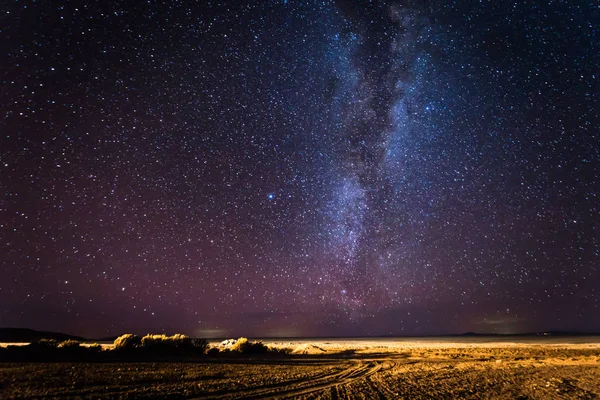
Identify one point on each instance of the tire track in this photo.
(375, 388)
(272, 390)
(359, 370)
(245, 392)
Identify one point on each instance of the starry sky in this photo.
(300, 168)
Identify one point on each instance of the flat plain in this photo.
(432, 368)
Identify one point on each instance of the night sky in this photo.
(300, 168)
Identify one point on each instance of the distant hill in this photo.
(548, 333)
(17, 335)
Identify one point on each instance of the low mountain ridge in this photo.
(24, 335)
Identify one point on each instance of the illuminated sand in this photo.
(392, 345)
(475, 368)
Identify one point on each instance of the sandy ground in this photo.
(470, 368)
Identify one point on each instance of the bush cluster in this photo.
(127, 341)
(134, 347)
(244, 346)
(177, 344)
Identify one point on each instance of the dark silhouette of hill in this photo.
(546, 333)
(20, 335)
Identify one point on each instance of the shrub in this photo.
(239, 345)
(244, 346)
(69, 344)
(127, 341)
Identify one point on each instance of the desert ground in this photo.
(448, 368)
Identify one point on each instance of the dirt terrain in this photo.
(335, 369)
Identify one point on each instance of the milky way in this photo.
(300, 168)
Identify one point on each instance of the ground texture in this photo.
(332, 370)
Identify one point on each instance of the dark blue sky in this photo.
(300, 168)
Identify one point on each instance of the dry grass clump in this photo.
(243, 346)
(127, 341)
(177, 341)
